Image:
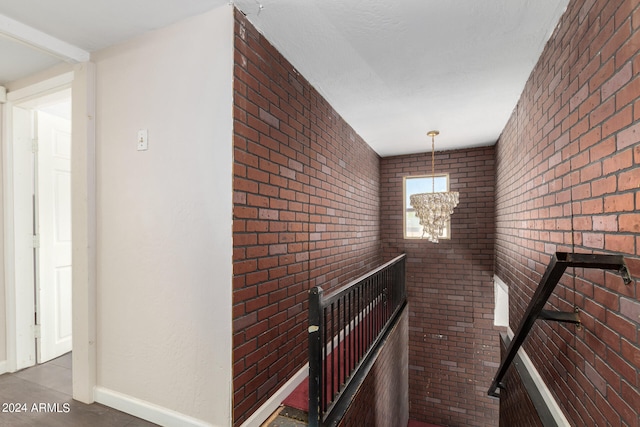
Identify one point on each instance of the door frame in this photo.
(20, 304)
(81, 79)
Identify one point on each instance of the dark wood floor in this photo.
(41, 396)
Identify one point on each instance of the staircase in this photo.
(286, 416)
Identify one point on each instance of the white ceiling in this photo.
(392, 69)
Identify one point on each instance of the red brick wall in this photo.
(306, 197)
(568, 179)
(453, 346)
(382, 398)
(516, 405)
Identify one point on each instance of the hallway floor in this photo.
(41, 396)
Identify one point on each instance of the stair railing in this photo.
(345, 329)
(559, 262)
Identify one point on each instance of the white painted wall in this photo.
(164, 220)
(3, 324)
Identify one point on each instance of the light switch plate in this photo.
(143, 140)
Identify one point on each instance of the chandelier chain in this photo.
(433, 163)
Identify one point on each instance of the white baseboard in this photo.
(145, 410)
(3, 367)
(546, 394)
(260, 416)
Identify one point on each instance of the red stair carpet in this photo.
(299, 399)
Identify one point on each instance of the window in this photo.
(501, 307)
(416, 185)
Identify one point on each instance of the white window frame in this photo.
(425, 187)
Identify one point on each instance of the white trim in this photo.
(3, 94)
(18, 300)
(9, 259)
(3, 367)
(82, 81)
(83, 231)
(267, 409)
(446, 233)
(17, 341)
(501, 302)
(17, 31)
(145, 410)
(547, 396)
(41, 88)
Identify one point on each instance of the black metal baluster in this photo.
(336, 347)
(333, 353)
(374, 307)
(385, 286)
(344, 340)
(348, 324)
(387, 294)
(377, 294)
(360, 323)
(325, 359)
(369, 315)
(365, 330)
(372, 311)
(349, 337)
(389, 302)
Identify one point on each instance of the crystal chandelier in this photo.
(434, 209)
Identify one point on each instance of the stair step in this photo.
(286, 416)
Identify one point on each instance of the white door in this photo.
(23, 188)
(53, 256)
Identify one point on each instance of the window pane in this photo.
(413, 227)
(416, 185)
